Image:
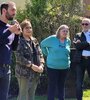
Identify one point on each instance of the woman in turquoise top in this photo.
(57, 50)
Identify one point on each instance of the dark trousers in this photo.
(80, 71)
(4, 83)
(56, 79)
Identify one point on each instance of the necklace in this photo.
(62, 44)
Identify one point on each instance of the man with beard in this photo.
(8, 42)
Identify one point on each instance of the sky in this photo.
(19, 3)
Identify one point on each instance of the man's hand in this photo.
(78, 41)
(16, 29)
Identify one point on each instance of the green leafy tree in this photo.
(47, 15)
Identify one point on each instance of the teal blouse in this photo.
(58, 53)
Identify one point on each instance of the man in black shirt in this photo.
(8, 42)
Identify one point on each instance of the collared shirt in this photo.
(85, 52)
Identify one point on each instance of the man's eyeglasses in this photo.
(86, 24)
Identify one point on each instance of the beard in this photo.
(9, 17)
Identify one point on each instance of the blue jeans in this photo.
(4, 83)
(56, 78)
(80, 71)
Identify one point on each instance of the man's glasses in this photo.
(86, 24)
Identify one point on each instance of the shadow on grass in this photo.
(86, 96)
(40, 98)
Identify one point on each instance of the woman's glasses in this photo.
(28, 27)
(86, 24)
(65, 31)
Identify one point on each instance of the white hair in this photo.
(86, 19)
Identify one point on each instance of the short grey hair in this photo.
(86, 19)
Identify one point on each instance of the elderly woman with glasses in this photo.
(57, 50)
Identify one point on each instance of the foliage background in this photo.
(46, 16)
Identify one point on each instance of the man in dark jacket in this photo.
(8, 42)
(82, 44)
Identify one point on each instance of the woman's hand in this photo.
(36, 68)
(40, 69)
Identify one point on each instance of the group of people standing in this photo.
(30, 60)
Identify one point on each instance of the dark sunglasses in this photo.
(86, 24)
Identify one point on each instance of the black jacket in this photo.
(83, 45)
(28, 52)
(5, 47)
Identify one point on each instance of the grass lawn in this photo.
(86, 96)
(43, 98)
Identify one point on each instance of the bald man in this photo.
(8, 42)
